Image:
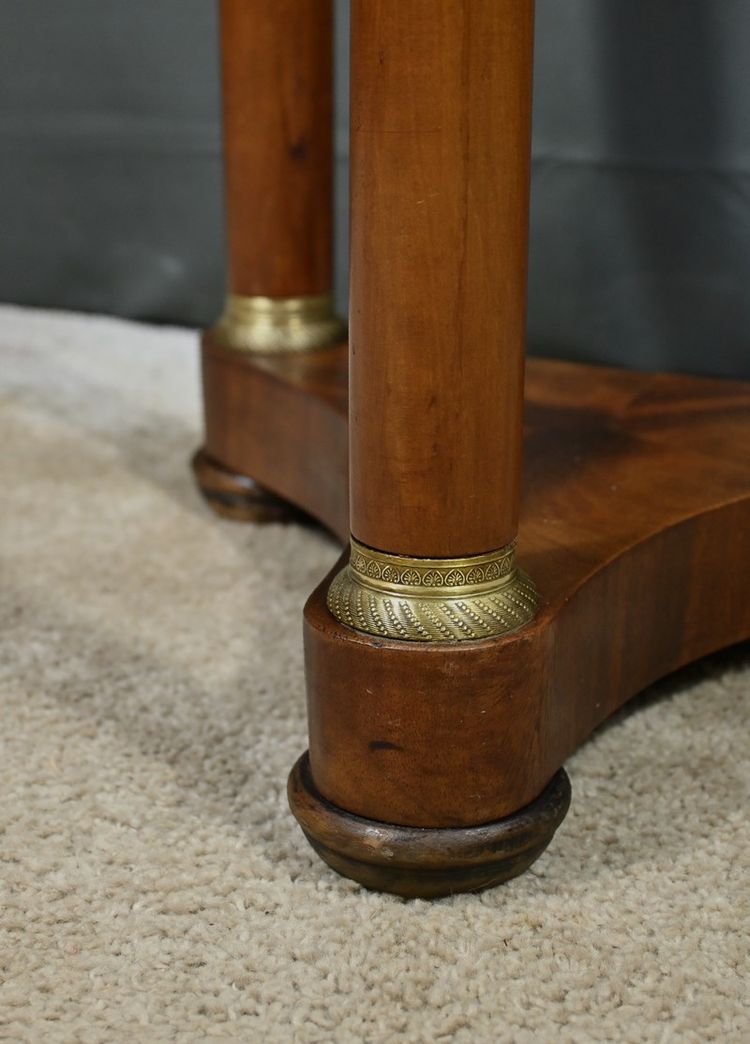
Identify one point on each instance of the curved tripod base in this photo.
(634, 528)
(418, 863)
(238, 497)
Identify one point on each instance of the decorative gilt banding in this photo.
(283, 324)
(432, 599)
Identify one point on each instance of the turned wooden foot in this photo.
(238, 497)
(477, 628)
(420, 863)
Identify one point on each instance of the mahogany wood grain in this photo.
(441, 104)
(426, 864)
(635, 510)
(277, 71)
(635, 524)
(281, 419)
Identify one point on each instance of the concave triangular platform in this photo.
(636, 483)
(635, 526)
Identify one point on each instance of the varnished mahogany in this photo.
(635, 523)
(440, 147)
(437, 766)
(277, 114)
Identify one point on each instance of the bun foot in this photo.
(238, 497)
(426, 863)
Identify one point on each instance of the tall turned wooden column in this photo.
(440, 148)
(445, 688)
(440, 107)
(412, 784)
(277, 71)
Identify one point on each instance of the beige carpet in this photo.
(156, 888)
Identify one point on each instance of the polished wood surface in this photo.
(636, 527)
(277, 71)
(435, 766)
(441, 100)
(282, 420)
(635, 523)
(426, 864)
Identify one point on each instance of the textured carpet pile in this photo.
(154, 885)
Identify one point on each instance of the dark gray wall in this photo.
(110, 183)
(109, 163)
(641, 194)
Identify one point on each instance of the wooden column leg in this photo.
(420, 777)
(277, 106)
